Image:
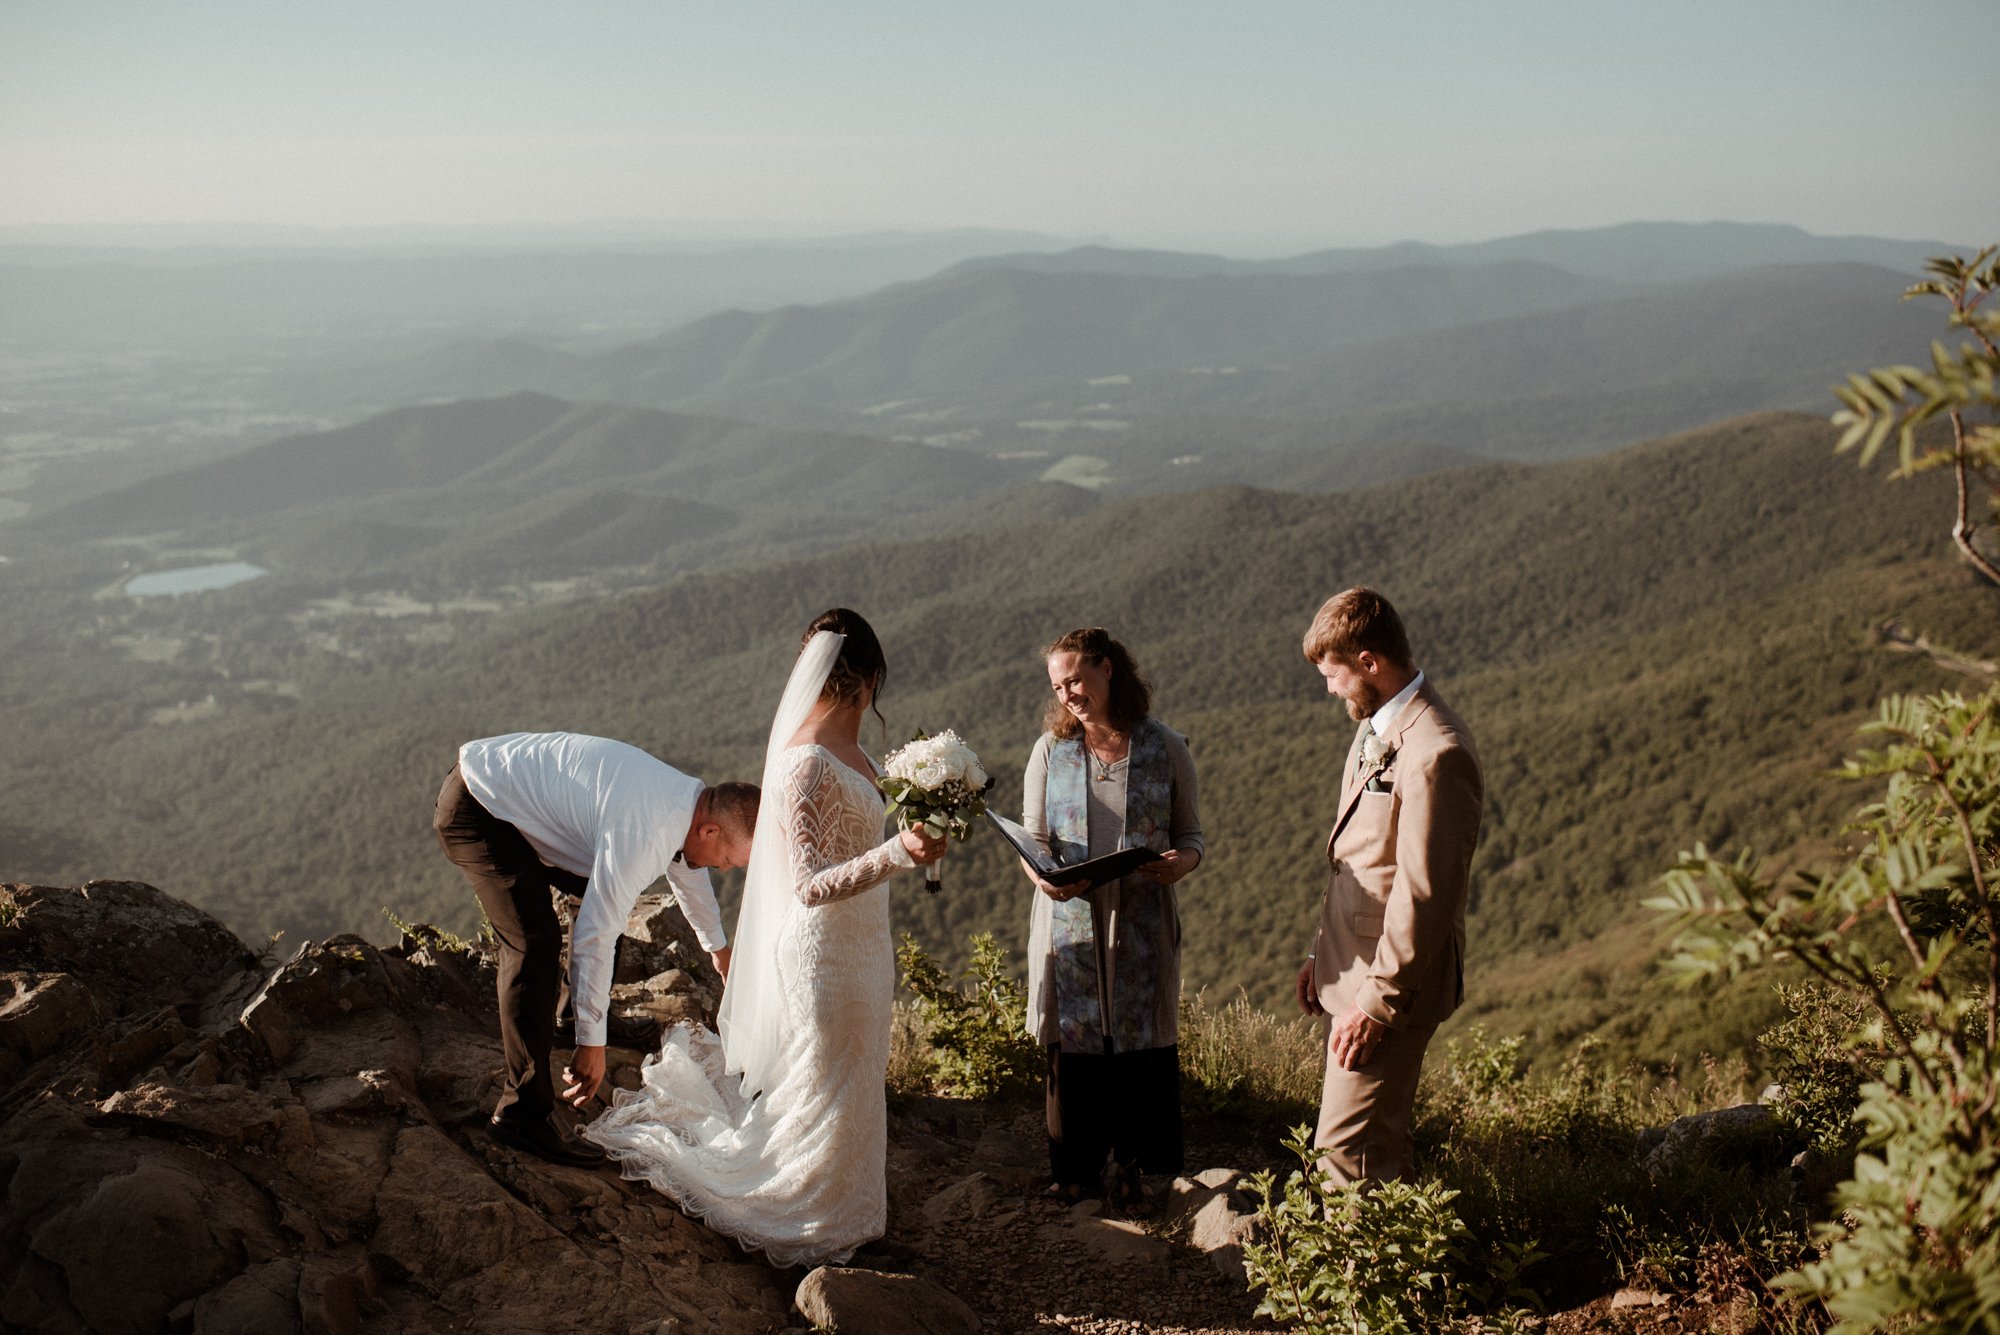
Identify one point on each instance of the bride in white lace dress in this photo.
(775, 1131)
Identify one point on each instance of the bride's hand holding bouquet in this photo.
(937, 785)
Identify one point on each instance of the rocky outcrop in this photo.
(868, 1302)
(193, 1139)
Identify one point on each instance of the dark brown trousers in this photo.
(1124, 1104)
(513, 885)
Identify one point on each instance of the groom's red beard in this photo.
(1367, 698)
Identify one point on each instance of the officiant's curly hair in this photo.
(1131, 693)
(1353, 620)
(861, 663)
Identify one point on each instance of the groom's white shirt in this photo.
(1384, 718)
(606, 811)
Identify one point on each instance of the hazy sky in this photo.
(1235, 124)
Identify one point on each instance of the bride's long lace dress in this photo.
(797, 1172)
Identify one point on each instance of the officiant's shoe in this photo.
(641, 1033)
(544, 1139)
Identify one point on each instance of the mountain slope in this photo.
(1590, 376)
(981, 331)
(1660, 645)
(536, 484)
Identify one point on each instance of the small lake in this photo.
(193, 579)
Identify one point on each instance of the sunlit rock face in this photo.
(194, 1139)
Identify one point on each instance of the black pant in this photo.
(513, 885)
(1124, 1104)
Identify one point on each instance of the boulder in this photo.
(869, 1302)
(1748, 1134)
(39, 1012)
(134, 945)
(317, 986)
(1221, 1218)
(1220, 1230)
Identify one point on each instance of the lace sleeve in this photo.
(821, 818)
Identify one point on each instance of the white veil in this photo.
(752, 1018)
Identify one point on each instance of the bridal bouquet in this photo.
(936, 782)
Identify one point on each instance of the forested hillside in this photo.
(1654, 646)
(460, 494)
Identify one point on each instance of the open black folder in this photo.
(1097, 870)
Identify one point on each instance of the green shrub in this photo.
(1554, 1154)
(423, 934)
(1385, 1258)
(977, 1037)
(1241, 1063)
(1905, 927)
(1818, 1070)
(1916, 1244)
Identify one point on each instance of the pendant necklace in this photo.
(1104, 767)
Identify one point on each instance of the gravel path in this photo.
(967, 1211)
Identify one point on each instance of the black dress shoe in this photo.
(641, 1033)
(542, 1138)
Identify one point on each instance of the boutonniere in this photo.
(1377, 754)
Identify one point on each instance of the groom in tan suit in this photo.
(1388, 963)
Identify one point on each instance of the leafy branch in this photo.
(1960, 383)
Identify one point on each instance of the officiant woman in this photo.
(1104, 969)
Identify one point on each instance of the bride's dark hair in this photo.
(861, 665)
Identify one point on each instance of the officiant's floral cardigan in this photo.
(1107, 964)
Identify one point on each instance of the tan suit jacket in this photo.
(1391, 934)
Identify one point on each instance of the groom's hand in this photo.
(1354, 1038)
(1307, 994)
(585, 1073)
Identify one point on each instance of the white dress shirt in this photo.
(1384, 718)
(605, 811)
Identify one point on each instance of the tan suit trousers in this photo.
(1365, 1115)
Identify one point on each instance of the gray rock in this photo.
(1220, 1230)
(868, 1302)
(1630, 1298)
(1221, 1217)
(1748, 1133)
(970, 1197)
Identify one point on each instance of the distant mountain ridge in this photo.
(1512, 359)
(1594, 375)
(1635, 252)
(980, 344)
(196, 297)
(971, 330)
